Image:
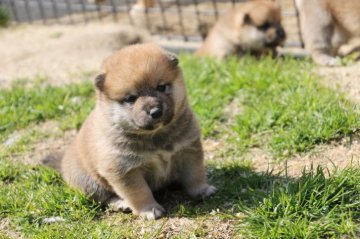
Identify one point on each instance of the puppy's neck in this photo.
(183, 127)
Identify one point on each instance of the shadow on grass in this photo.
(237, 187)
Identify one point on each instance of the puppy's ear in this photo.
(247, 19)
(243, 19)
(99, 81)
(174, 61)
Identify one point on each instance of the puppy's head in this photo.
(259, 26)
(141, 88)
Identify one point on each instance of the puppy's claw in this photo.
(153, 213)
(210, 190)
(119, 205)
(325, 60)
(203, 191)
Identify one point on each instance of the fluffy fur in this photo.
(326, 25)
(253, 27)
(140, 136)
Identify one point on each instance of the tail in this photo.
(53, 160)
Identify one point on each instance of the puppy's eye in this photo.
(264, 26)
(163, 88)
(130, 99)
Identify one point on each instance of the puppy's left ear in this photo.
(243, 19)
(247, 19)
(100, 81)
(174, 61)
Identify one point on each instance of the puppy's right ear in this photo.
(174, 61)
(100, 81)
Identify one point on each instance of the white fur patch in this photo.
(254, 40)
(159, 165)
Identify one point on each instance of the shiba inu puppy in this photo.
(326, 25)
(253, 27)
(140, 136)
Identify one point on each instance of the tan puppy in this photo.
(326, 24)
(140, 136)
(253, 27)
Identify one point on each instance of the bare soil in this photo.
(6, 231)
(60, 53)
(345, 79)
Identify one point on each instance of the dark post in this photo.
(83, 8)
(68, 6)
(163, 17)
(27, 10)
(215, 9)
(128, 12)
(14, 10)
(42, 11)
(114, 10)
(98, 9)
(55, 9)
(182, 30)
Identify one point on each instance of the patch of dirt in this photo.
(345, 79)
(5, 229)
(179, 227)
(214, 227)
(327, 156)
(59, 52)
(211, 147)
(57, 141)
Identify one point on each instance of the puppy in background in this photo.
(140, 136)
(253, 26)
(326, 25)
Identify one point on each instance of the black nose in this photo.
(156, 112)
(280, 33)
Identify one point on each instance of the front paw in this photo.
(153, 212)
(118, 204)
(202, 191)
(326, 60)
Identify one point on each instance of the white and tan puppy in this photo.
(326, 25)
(141, 135)
(251, 27)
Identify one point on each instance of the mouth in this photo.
(271, 44)
(275, 43)
(150, 127)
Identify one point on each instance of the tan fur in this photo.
(121, 154)
(240, 30)
(326, 25)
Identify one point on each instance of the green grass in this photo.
(4, 17)
(283, 107)
(311, 207)
(31, 194)
(22, 106)
(280, 107)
